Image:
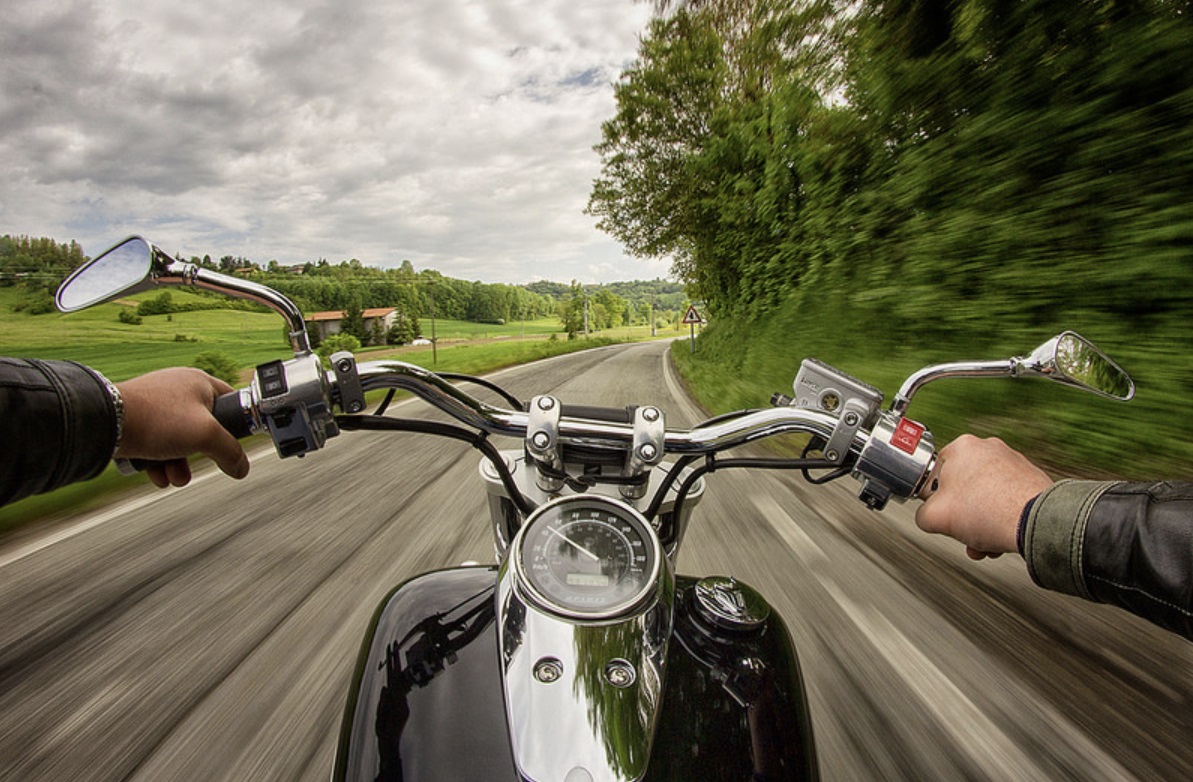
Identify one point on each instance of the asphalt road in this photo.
(209, 633)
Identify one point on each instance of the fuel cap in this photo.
(725, 602)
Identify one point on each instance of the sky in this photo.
(456, 134)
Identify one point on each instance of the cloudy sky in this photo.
(454, 133)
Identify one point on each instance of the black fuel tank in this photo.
(426, 702)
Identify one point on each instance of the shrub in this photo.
(218, 364)
(35, 302)
(128, 316)
(337, 342)
(160, 304)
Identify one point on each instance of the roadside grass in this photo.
(740, 364)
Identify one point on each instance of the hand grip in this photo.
(232, 415)
(226, 409)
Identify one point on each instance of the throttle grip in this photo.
(231, 414)
(226, 409)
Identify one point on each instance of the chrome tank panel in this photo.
(733, 706)
(580, 722)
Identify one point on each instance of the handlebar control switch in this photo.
(895, 461)
(292, 398)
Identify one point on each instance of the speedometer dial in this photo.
(588, 557)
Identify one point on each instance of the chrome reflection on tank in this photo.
(728, 604)
(599, 701)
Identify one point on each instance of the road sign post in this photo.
(692, 317)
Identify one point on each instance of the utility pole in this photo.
(434, 339)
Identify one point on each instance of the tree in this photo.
(699, 163)
(571, 310)
(354, 321)
(377, 335)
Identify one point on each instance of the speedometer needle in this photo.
(573, 544)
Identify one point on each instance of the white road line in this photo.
(791, 532)
(102, 516)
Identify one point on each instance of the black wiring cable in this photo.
(817, 444)
(480, 381)
(381, 408)
(711, 464)
(508, 397)
(661, 494)
(478, 440)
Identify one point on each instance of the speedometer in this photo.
(588, 557)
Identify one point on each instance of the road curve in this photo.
(210, 632)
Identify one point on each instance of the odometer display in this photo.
(588, 556)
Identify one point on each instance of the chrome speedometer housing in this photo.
(587, 557)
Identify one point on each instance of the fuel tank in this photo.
(426, 701)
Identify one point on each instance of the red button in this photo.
(907, 435)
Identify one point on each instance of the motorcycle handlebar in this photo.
(894, 469)
(592, 426)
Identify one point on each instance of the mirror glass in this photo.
(1081, 362)
(108, 275)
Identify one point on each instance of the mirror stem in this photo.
(1005, 368)
(176, 272)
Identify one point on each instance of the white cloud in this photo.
(454, 133)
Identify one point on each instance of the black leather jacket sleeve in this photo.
(1127, 544)
(57, 426)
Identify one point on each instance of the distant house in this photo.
(327, 323)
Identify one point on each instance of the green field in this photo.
(98, 339)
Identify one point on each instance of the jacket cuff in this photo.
(1054, 536)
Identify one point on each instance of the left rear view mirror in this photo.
(116, 271)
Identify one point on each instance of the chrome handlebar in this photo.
(293, 401)
(710, 438)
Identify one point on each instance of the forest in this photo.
(911, 180)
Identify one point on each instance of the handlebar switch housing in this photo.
(895, 461)
(293, 400)
(855, 404)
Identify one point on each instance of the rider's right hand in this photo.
(982, 486)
